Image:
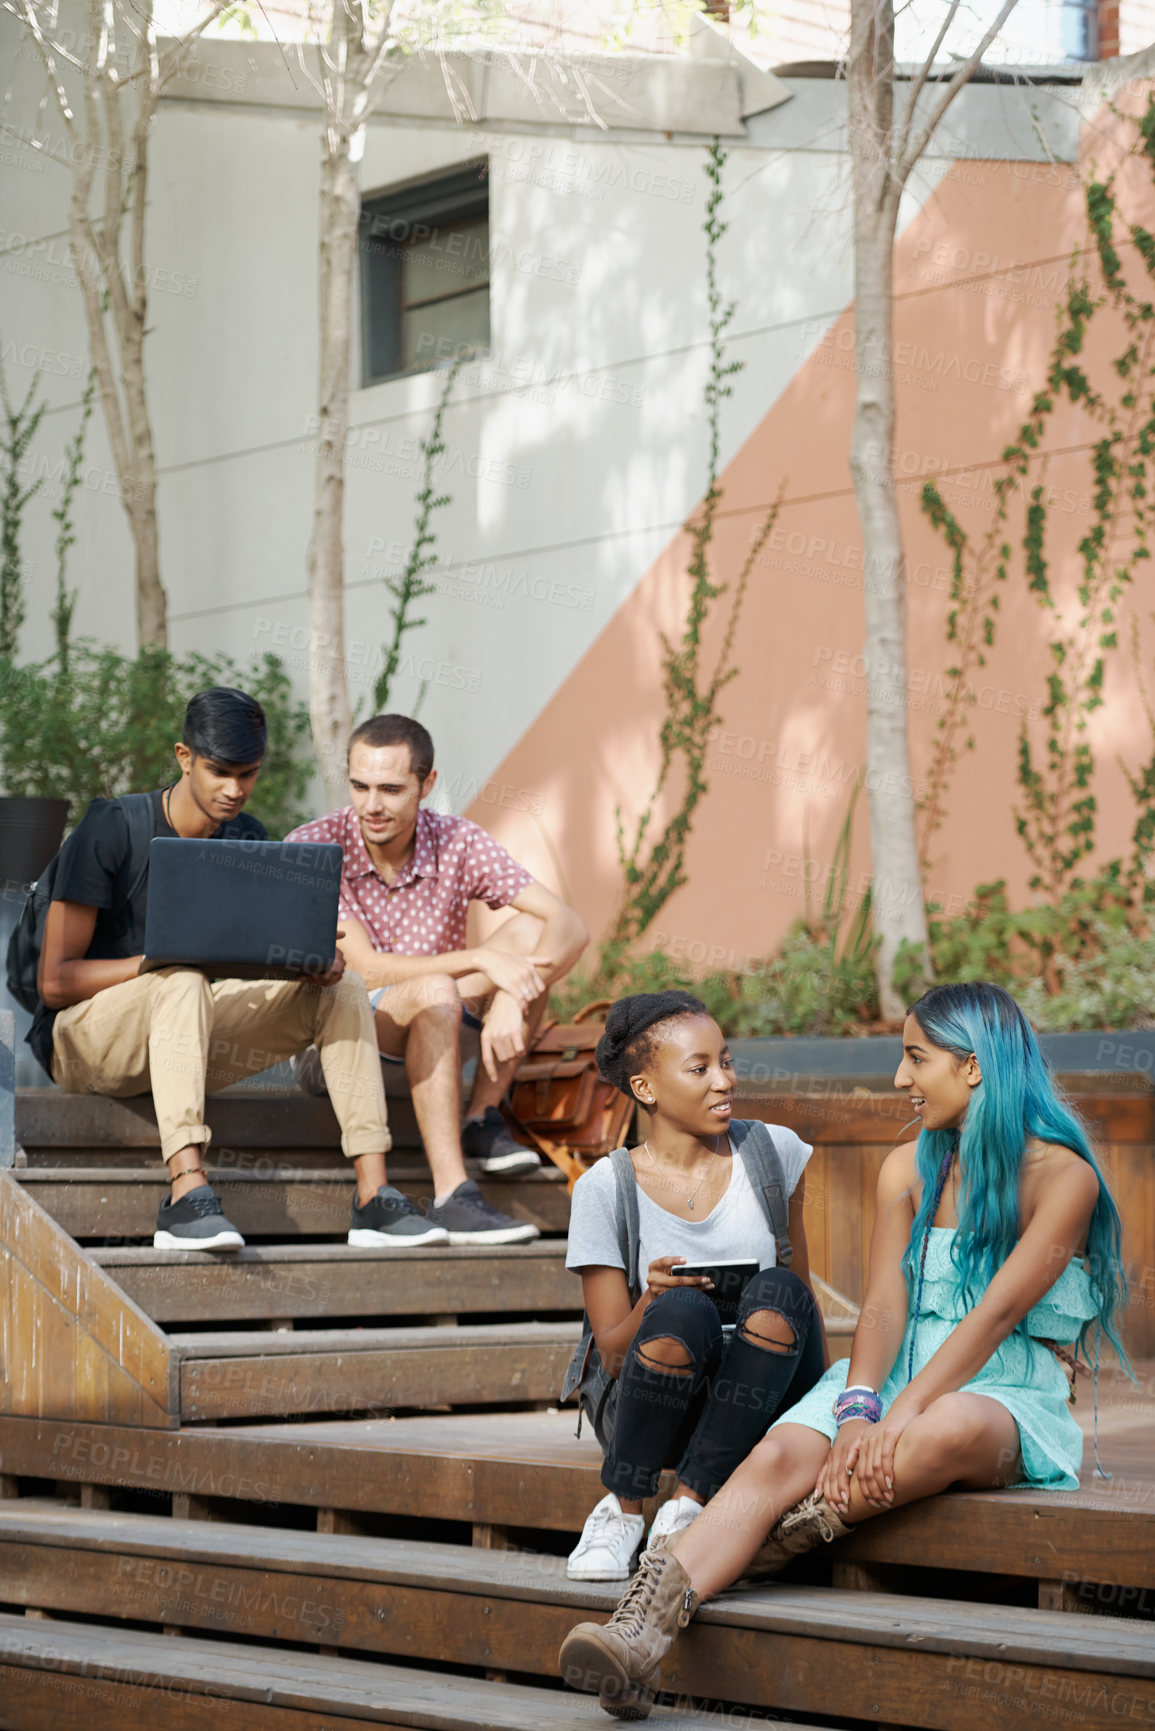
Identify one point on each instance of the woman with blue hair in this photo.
(995, 1255)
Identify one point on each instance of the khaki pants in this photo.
(183, 1036)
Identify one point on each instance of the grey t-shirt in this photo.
(735, 1227)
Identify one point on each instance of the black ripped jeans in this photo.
(705, 1418)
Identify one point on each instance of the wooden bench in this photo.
(527, 1472)
(930, 1663)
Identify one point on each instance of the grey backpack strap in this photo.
(138, 812)
(763, 1165)
(629, 1225)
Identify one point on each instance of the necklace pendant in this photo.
(690, 1203)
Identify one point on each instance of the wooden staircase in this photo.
(311, 1487)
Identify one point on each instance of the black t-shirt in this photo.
(98, 866)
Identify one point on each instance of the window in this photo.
(1079, 29)
(424, 273)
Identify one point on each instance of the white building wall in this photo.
(573, 453)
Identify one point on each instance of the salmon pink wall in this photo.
(977, 275)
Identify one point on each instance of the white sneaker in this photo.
(672, 1518)
(608, 1544)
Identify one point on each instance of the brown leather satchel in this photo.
(559, 1101)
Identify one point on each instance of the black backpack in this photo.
(587, 1377)
(25, 943)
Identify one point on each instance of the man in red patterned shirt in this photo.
(409, 876)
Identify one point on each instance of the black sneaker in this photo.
(488, 1141)
(470, 1219)
(196, 1222)
(390, 1219)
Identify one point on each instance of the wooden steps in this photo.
(527, 1471)
(251, 1375)
(928, 1663)
(58, 1674)
(74, 1345)
(297, 1281)
(124, 1333)
(316, 1570)
(103, 1203)
(49, 1122)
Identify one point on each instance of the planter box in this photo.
(854, 1120)
(1086, 1063)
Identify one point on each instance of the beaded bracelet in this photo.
(857, 1403)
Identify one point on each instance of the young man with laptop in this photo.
(409, 877)
(108, 1022)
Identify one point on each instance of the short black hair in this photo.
(226, 726)
(398, 730)
(630, 1037)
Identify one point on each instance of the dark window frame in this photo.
(388, 222)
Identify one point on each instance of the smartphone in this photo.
(730, 1282)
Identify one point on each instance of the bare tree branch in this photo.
(919, 82)
(108, 160)
(26, 13)
(916, 146)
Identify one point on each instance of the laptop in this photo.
(242, 910)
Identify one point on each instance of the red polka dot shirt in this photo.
(422, 912)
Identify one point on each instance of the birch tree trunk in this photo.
(897, 904)
(151, 601)
(328, 693)
(882, 154)
(113, 286)
(350, 61)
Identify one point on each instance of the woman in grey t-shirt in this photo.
(688, 1394)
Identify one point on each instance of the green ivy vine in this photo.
(653, 860)
(1056, 811)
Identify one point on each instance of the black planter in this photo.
(30, 833)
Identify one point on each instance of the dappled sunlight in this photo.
(991, 242)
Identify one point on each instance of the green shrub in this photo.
(797, 991)
(108, 725)
(1112, 989)
(807, 987)
(1088, 963)
(652, 972)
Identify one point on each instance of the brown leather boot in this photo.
(622, 1660)
(809, 1523)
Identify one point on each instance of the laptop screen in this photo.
(242, 909)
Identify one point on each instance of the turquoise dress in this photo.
(1021, 1374)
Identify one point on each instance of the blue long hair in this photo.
(1017, 1100)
